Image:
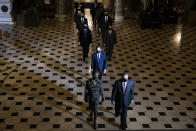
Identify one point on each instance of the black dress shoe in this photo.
(83, 60)
(117, 114)
(123, 129)
(94, 125)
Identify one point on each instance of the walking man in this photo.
(85, 39)
(99, 62)
(122, 97)
(109, 41)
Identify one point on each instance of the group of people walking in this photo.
(101, 21)
(123, 89)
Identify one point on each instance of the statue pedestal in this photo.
(5, 12)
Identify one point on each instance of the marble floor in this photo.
(42, 77)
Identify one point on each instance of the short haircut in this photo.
(125, 73)
(98, 46)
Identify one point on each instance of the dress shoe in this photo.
(95, 125)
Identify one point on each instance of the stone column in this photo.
(189, 14)
(118, 10)
(60, 9)
(5, 12)
(63, 8)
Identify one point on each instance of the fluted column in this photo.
(118, 10)
(63, 8)
(60, 8)
(5, 12)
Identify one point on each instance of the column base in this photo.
(6, 20)
(60, 16)
(119, 19)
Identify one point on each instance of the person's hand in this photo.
(113, 103)
(104, 71)
(91, 70)
(78, 43)
(99, 29)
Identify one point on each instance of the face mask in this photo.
(98, 50)
(125, 78)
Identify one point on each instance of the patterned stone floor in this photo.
(42, 77)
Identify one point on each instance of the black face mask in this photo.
(125, 80)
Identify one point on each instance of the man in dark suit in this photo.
(81, 21)
(109, 41)
(106, 20)
(93, 11)
(77, 14)
(81, 5)
(122, 97)
(93, 91)
(99, 62)
(99, 14)
(85, 39)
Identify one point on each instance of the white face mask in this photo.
(98, 49)
(126, 77)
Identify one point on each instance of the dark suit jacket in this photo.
(93, 10)
(104, 25)
(121, 98)
(76, 16)
(110, 39)
(99, 14)
(80, 24)
(99, 65)
(93, 92)
(85, 41)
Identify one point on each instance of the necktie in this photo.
(98, 56)
(124, 87)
